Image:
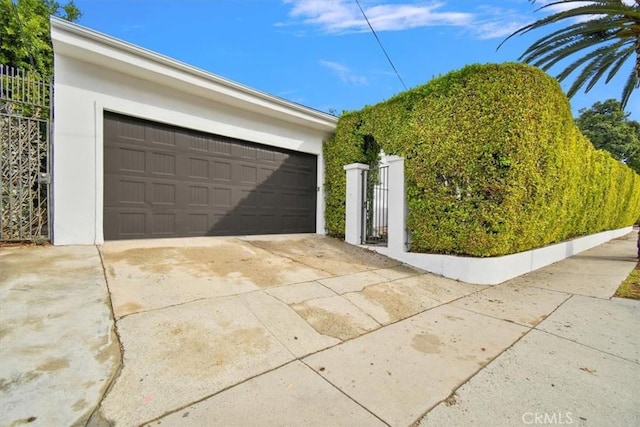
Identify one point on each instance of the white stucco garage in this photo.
(145, 146)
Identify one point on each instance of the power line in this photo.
(380, 43)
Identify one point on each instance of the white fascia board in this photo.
(87, 45)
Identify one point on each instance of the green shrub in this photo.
(494, 164)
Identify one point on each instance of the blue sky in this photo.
(320, 53)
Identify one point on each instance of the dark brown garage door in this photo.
(164, 181)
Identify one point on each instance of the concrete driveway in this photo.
(198, 316)
(305, 330)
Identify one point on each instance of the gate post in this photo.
(397, 226)
(354, 200)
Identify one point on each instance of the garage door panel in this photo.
(132, 224)
(162, 163)
(220, 147)
(125, 191)
(248, 174)
(162, 181)
(269, 223)
(163, 194)
(118, 158)
(127, 223)
(132, 160)
(163, 223)
(264, 175)
(125, 129)
(289, 200)
(131, 192)
(290, 223)
(249, 198)
(304, 180)
(221, 170)
(160, 135)
(223, 198)
(289, 179)
(266, 155)
(198, 196)
(268, 199)
(198, 223)
(244, 151)
(199, 168)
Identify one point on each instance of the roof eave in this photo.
(87, 45)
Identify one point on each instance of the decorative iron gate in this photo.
(25, 128)
(375, 205)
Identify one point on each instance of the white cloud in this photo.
(570, 5)
(497, 22)
(483, 21)
(344, 73)
(561, 7)
(398, 17)
(343, 16)
(496, 29)
(557, 8)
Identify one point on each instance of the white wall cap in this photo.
(393, 158)
(358, 166)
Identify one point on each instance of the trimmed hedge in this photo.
(494, 164)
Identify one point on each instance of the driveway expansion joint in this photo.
(116, 334)
(351, 398)
(599, 350)
(282, 255)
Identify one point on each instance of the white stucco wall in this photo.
(495, 270)
(88, 85)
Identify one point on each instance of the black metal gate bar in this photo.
(25, 126)
(375, 206)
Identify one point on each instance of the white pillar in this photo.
(397, 227)
(353, 208)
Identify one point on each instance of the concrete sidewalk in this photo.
(305, 330)
(58, 351)
(579, 366)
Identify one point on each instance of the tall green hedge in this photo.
(494, 164)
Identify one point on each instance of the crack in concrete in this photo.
(344, 394)
(95, 419)
(470, 377)
(511, 321)
(173, 411)
(579, 343)
(264, 325)
(179, 304)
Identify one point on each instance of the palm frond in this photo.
(560, 53)
(603, 65)
(601, 7)
(631, 84)
(578, 63)
(621, 60)
(607, 35)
